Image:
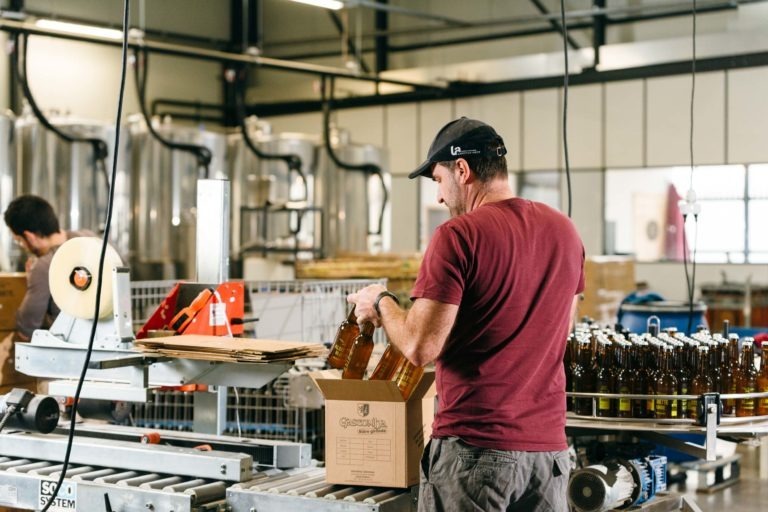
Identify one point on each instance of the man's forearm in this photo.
(394, 319)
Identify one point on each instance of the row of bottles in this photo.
(351, 351)
(669, 363)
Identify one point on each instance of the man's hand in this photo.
(363, 301)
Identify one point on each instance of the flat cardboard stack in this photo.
(235, 350)
(372, 436)
(608, 279)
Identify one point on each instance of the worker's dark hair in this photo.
(33, 214)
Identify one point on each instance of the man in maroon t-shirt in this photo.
(492, 308)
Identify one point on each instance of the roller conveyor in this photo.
(25, 482)
(137, 477)
(305, 490)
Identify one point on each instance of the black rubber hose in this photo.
(293, 161)
(368, 168)
(202, 153)
(100, 149)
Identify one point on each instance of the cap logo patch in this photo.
(456, 151)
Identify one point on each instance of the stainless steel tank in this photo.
(353, 200)
(67, 175)
(164, 204)
(258, 182)
(9, 251)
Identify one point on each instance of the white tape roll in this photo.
(73, 274)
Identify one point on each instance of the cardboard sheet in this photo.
(218, 348)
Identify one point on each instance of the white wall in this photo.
(87, 86)
(83, 79)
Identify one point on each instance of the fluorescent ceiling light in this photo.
(328, 4)
(76, 28)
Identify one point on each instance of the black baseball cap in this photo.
(460, 138)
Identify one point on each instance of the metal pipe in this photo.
(660, 10)
(464, 90)
(382, 42)
(394, 48)
(409, 12)
(138, 43)
(598, 32)
(555, 24)
(348, 41)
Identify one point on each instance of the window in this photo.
(642, 216)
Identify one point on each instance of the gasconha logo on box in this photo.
(364, 425)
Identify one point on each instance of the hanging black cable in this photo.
(140, 72)
(102, 256)
(564, 25)
(368, 168)
(691, 207)
(100, 150)
(293, 161)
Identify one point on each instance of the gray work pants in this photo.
(458, 477)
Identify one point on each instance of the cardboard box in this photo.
(13, 286)
(608, 279)
(8, 373)
(372, 436)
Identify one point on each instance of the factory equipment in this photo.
(617, 483)
(274, 217)
(118, 370)
(354, 182)
(165, 185)
(9, 252)
(357, 212)
(70, 177)
(21, 409)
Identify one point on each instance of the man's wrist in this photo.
(382, 295)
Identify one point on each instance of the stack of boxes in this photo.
(13, 286)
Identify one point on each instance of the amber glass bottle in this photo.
(583, 378)
(604, 378)
(762, 381)
(389, 364)
(342, 344)
(360, 353)
(622, 382)
(701, 382)
(726, 376)
(684, 375)
(733, 354)
(408, 378)
(569, 360)
(666, 384)
(747, 380)
(640, 383)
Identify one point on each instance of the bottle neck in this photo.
(351, 317)
(747, 358)
(702, 367)
(367, 329)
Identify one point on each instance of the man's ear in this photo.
(463, 173)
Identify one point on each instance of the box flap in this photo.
(333, 387)
(353, 389)
(426, 386)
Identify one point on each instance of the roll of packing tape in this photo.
(73, 274)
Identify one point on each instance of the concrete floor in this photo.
(748, 495)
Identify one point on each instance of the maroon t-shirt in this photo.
(513, 268)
